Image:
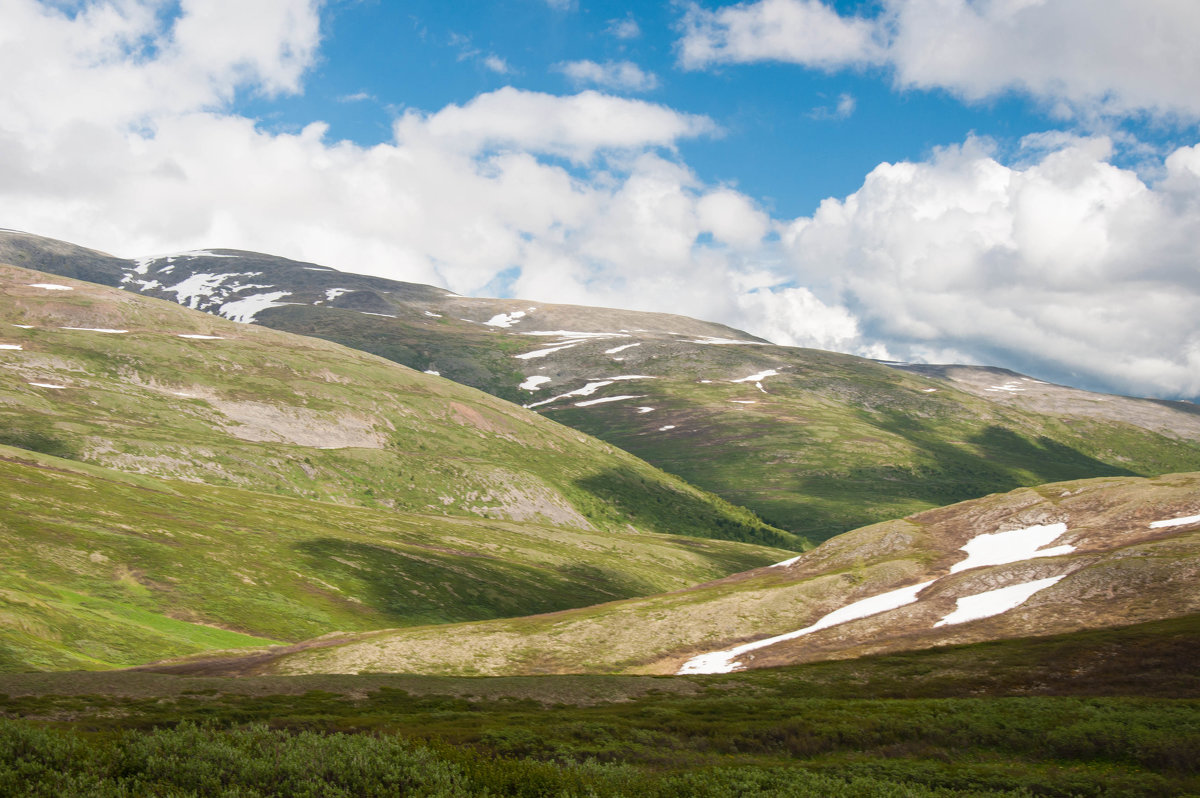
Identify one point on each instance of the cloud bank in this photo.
(1054, 261)
(1080, 57)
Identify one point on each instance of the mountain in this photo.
(1050, 560)
(815, 443)
(119, 380)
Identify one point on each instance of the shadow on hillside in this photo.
(430, 586)
(655, 507)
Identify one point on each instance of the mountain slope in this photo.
(1055, 559)
(99, 568)
(814, 442)
(115, 379)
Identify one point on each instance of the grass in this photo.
(100, 568)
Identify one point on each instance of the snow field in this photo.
(542, 352)
(51, 286)
(533, 383)
(10, 346)
(94, 329)
(995, 602)
(1001, 548)
(243, 310)
(505, 319)
(1190, 519)
(726, 661)
(604, 399)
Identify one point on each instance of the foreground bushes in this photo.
(202, 760)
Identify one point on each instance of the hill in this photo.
(1059, 558)
(815, 443)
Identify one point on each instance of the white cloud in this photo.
(1079, 57)
(575, 127)
(497, 64)
(624, 28)
(618, 75)
(800, 31)
(1069, 265)
(843, 109)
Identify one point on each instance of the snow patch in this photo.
(384, 315)
(602, 400)
(666, 428)
(995, 602)
(333, 293)
(929, 390)
(1190, 519)
(645, 409)
(433, 315)
(434, 373)
(621, 348)
(505, 319)
(787, 562)
(243, 310)
(573, 334)
(48, 385)
(1012, 386)
(759, 377)
(586, 390)
(201, 337)
(94, 329)
(1001, 548)
(533, 383)
(543, 352)
(743, 401)
(24, 326)
(726, 661)
(51, 286)
(10, 346)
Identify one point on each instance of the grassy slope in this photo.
(100, 568)
(274, 412)
(1121, 572)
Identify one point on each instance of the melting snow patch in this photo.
(573, 334)
(533, 383)
(1190, 519)
(434, 373)
(1001, 548)
(243, 310)
(542, 352)
(929, 390)
(385, 315)
(10, 346)
(1011, 386)
(994, 602)
(668, 427)
(94, 329)
(48, 385)
(333, 293)
(51, 286)
(591, 402)
(743, 401)
(505, 319)
(645, 409)
(586, 390)
(787, 562)
(24, 326)
(433, 315)
(201, 337)
(726, 661)
(759, 377)
(621, 348)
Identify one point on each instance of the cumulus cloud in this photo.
(617, 75)
(1077, 57)
(1068, 266)
(624, 28)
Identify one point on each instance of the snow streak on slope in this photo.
(1001, 548)
(726, 661)
(995, 602)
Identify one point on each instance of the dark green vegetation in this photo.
(817, 730)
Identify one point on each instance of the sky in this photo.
(1001, 182)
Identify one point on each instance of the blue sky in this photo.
(1007, 182)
